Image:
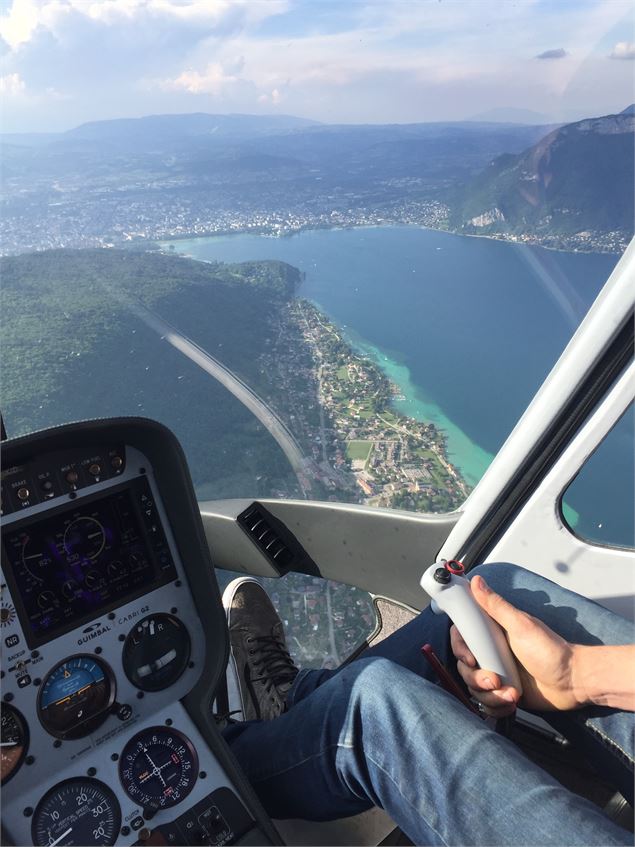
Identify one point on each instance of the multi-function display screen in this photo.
(70, 564)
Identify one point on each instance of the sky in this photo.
(65, 62)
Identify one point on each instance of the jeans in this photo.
(380, 731)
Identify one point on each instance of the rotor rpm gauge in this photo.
(156, 652)
(84, 538)
(76, 696)
(78, 811)
(158, 767)
(14, 741)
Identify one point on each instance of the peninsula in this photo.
(338, 404)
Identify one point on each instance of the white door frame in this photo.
(536, 537)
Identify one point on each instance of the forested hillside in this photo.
(73, 348)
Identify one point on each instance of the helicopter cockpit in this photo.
(321, 295)
(114, 639)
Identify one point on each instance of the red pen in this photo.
(445, 679)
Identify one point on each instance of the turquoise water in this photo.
(472, 460)
(467, 327)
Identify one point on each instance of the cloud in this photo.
(373, 60)
(559, 53)
(274, 97)
(623, 50)
(20, 24)
(211, 81)
(12, 85)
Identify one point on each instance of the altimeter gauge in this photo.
(84, 538)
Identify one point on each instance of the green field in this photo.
(358, 449)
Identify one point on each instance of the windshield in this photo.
(336, 248)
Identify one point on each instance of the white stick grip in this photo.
(452, 594)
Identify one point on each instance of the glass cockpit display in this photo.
(79, 560)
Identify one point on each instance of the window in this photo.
(599, 505)
(255, 222)
(261, 234)
(324, 621)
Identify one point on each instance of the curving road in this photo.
(232, 383)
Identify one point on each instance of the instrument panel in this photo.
(101, 641)
(85, 557)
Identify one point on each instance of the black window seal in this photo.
(550, 446)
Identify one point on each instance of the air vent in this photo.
(280, 547)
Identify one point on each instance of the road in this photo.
(233, 383)
(318, 352)
(329, 619)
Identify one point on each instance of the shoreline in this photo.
(354, 392)
(163, 243)
(469, 457)
(458, 445)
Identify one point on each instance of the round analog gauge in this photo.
(76, 696)
(36, 559)
(14, 743)
(156, 652)
(158, 767)
(77, 811)
(84, 538)
(7, 613)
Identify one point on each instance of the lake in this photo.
(468, 327)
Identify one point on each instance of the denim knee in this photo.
(573, 616)
(504, 576)
(382, 694)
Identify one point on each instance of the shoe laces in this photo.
(225, 718)
(272, 661)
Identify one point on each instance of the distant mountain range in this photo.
(579, 178)
(163, 130)
(512, 114)
(164, 176)
(202, 141)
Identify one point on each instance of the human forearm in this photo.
(605, 675)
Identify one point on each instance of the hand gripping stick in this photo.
(451, 593)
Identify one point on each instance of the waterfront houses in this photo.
(338, 404)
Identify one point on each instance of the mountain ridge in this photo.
(572, 182)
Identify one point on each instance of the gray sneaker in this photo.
(259, 660)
